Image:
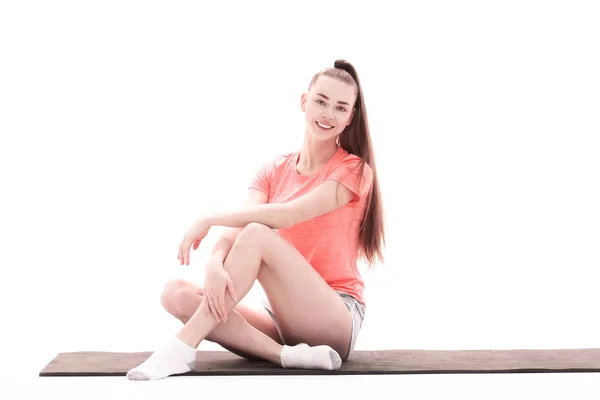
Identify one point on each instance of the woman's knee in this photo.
(173, 293)
(252, 232)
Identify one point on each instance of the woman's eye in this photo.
(340, 108)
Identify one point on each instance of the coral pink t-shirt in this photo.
(328, 242)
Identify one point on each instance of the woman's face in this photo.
(329, 102)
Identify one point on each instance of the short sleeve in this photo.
(347, 172)
(263, 177)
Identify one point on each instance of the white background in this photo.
(123, 121)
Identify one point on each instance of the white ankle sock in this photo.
(174, 357)
(307, 357)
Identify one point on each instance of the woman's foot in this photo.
(307, 357)
(174, 357)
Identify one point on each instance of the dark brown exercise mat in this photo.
(92, 363)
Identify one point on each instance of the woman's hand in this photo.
(216, 283)
(193, 236)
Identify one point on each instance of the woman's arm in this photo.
(227, 239)
(327, 197)
(274, 215)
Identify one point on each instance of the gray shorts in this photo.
(357, 311)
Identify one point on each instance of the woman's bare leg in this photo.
(310, 312)
(246, 333)
(308, 309)
(200, 325)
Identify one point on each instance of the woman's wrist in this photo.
(206, 220)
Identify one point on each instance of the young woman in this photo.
(309, 216)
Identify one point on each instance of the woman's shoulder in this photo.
(280, 160)
(277, 162)
(349, 160)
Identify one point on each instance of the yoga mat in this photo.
(95, 363)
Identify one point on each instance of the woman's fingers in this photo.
(231, 291)
(211, 306)
(208, 313)
(186, 252)
(216, 306)
(209, 310)
(180, 256)
(183, 254)
(220, 306)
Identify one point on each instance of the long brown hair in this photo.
(356, 139)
